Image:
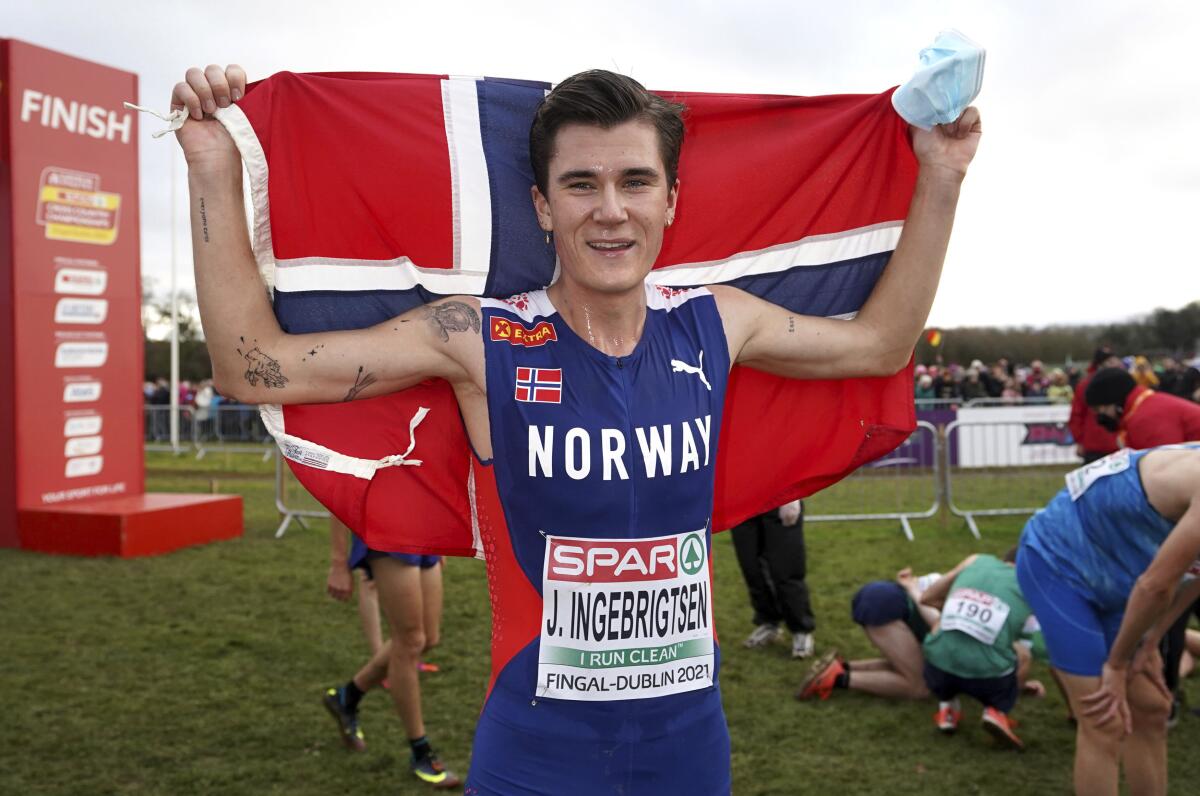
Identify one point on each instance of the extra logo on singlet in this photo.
(625, 618)
(513, 333)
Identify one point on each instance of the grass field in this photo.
(201, 671)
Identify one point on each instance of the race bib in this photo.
(1080, 479)
(625, 618)
(978, 614)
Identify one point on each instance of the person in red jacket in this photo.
(1092, 441)
(1141, 417)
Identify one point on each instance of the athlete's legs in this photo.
(1144, 753)
(431, 596)
(903, 680)
(399, 587)
(1097, 748)
(368, 612)
(784, 556)
(375, 670)
(749, 546)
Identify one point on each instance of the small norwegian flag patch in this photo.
(539, 385)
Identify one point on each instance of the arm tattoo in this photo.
(452, 316)
(261, 366)
(203, 220)
(791, 324)
(361, 382)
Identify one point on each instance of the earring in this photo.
(547, 237)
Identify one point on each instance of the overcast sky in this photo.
(1078, 208)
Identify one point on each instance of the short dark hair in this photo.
(604, 99)
(1102, 353)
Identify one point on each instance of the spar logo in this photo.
(504, 330)
(625, 560)
(1047, 434)
(691, 554)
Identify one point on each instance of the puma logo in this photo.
(678, 366)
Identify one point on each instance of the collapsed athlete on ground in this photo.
(558, 422)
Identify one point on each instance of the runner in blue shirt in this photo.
(1106, 567)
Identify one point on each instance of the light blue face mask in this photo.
(950, 77)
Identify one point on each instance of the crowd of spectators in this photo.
(200, 403)
(1013, 382)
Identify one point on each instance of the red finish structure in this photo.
(140, 525)
(71, 460)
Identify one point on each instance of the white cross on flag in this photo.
(539, 385)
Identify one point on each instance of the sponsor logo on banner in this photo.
(1047, 434)
(77, 310)
(625, 618)
(80, 281)
(82, 426)
(539, 385)
(72, 207)
(81, 355)
(84, 466)
(513, 333)
(77, 392)
(83, 446)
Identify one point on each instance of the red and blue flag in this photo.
(375, 193)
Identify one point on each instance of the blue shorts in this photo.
(361, 557)
(992, 692)
(1078, 637)
(882, 602)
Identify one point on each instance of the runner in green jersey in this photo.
(972, 650)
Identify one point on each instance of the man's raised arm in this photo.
(880, 339)
(253, 360)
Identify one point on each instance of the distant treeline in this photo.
(1161, 333)
(193, 360)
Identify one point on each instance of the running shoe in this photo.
(347, 720)
(819, 681)
(1000, 727)
(802, 645)
(947, 717)
(762, 636)
(430, 770)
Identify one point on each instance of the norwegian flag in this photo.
(375, 193)
(539, 385)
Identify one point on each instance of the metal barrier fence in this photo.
(973, 468)
(1001, 468)
(231, 428)
(156, 428)
(226, 428)
(286, 485)
(907, 480)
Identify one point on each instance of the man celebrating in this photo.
(602, 442)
